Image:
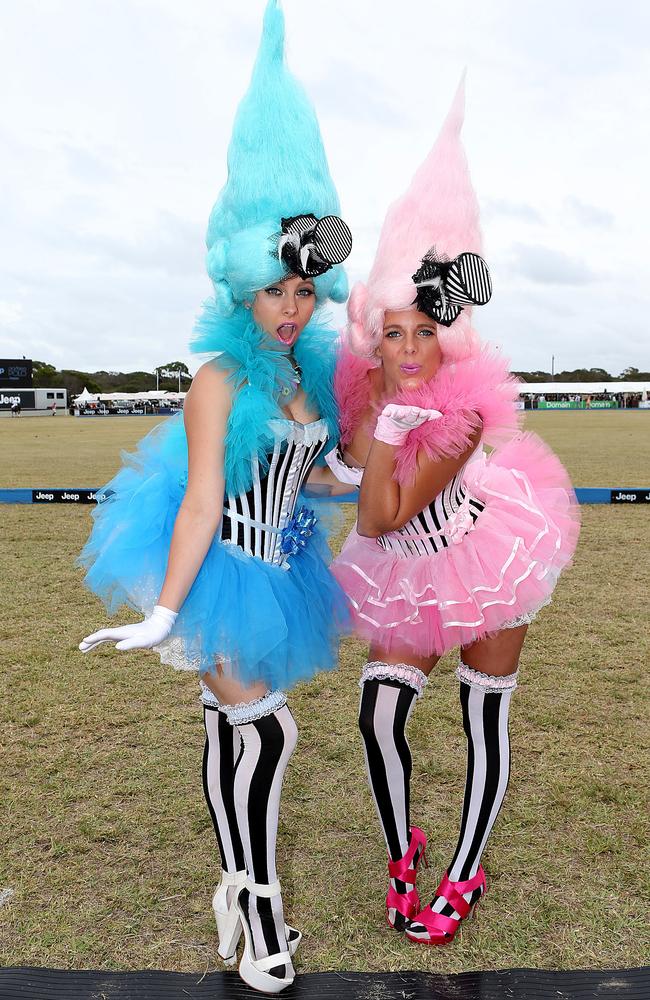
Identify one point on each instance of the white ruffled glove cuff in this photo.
(142, 635)
(344, 473)
(395, 422)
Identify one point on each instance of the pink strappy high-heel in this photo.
(438, 928)
(402, 906)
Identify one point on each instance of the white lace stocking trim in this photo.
(208, 697)
(248, 711)
(403, 672)
(485, 682)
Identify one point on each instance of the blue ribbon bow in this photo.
(297, 531)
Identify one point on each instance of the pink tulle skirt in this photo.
(503, 568)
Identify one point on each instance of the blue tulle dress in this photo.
(264, 603)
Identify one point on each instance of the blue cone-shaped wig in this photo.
(277, 168)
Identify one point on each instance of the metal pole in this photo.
(157, 380)
(552, 368)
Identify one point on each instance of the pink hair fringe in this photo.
(351, 391)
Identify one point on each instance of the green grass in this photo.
(599, 448)
(104, 836)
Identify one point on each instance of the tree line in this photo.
(47, 376)
(585, 375)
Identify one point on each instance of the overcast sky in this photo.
(114, 121)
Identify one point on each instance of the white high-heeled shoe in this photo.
(226, 915)
(254, 970)
(229, 926)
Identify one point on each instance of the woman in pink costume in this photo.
(451, 548)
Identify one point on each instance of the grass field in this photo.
(104, 836)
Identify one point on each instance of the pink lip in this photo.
(410, 369)
(286, 332)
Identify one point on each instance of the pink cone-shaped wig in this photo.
(439, 209)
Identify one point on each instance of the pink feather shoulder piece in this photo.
(480, 388)
(352, 391)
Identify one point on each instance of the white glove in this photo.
(142, 635)
(396, 422)
(344, 473)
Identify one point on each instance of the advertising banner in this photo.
(15, 373)
(630, 496)
(560, 404)
(583, 404)
(48, 495)
(111, 411)
(10, 396)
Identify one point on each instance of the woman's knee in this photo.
(367, 710)
(496, 655)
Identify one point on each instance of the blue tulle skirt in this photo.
(261, 621)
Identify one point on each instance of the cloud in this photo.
(368, 98)
(114, 148)
(494, 207)
(170, 244)
(533, 322)
(88, 165)
(10, 313)
(550, 267)
(589, 215)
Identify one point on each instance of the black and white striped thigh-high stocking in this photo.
(220, 757)
(485, 703)
(268, 733)
(388, 696)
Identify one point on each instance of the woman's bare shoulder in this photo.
(211, 381)
(210, 374)
(209, 393)
(356, 450)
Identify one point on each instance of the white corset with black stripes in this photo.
(254, 520)
(447, 518)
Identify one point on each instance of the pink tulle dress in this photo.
(487, 552)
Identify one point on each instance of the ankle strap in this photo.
(280, 958)
(396, 869)
(234, 878)
(406, 903)
(402, 868)
(265, 889)
(453, 891)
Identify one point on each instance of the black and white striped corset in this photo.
(254, 520)
(444, 521)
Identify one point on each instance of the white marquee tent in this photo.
(583, 388)
(118, 397)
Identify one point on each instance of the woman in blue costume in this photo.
(200, 530)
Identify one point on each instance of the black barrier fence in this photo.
(513, 984)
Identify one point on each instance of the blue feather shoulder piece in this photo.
(258, 375)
